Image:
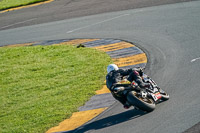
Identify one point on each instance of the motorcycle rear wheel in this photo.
(145, 104)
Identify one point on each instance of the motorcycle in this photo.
(145, 99)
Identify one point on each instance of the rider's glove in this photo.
(134, 84)
(141, 72)
(144, 85)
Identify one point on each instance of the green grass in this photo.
(42, 85)
(6, 4)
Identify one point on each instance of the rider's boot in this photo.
(136, 108)
(127, 105)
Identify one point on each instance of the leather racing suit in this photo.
(114, 79)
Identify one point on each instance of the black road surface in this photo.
(169, 34)
(65, 9)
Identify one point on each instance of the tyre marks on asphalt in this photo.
(123, 53)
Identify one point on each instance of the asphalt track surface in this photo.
(65, 9)
(169, 34)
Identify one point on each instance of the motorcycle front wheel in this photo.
(164, 95)
(145, 104)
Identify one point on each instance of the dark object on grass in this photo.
(80, 45)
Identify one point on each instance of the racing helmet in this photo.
(112, 67)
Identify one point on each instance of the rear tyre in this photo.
(145, 104)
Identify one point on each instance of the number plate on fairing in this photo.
(156, 96)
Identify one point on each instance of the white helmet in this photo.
(112, 67)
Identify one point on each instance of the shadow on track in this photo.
(108, 121)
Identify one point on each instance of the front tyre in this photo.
(145, 104)
(164, 95)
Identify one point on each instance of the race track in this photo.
(169, 34)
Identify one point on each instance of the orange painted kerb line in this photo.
(17, 8)
(19, 45)
(115, 46)
(103, 90)
(76, 120)
(77, 41)
(131, 60)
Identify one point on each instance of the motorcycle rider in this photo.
(116, 81)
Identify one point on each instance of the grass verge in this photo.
(42, 85)
(7, 4)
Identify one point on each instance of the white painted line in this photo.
(97, 23)
(195, 59)
(18, 23)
